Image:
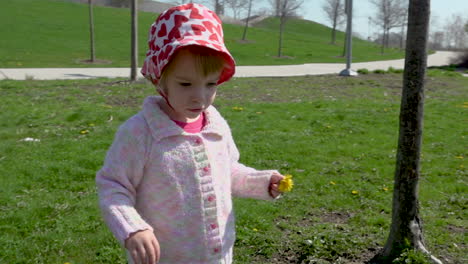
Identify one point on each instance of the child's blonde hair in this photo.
(207, 61)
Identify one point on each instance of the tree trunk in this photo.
(335, 15)
(334, 33)
(247, 21)
(387, 38)
(91, 31)
(383, 41)
(134, 40)
(344, 47)
(280, 43)
(406, 229)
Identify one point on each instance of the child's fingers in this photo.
(152, 251)
(275, 194)
(274, 187)
(142, 254)
(157, 250)
(151, 255)
(275, 178)
(136, 256)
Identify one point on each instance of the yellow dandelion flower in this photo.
(354, 192)
(332, 183)
(91, 124)
(459, 157)
(237, 108)
(385, 189)
(84, 131)
(255, 229)
(286, 184)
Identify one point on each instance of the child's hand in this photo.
(274, 184)
(143, 247)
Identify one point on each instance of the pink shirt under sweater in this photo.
(158, 177)
(192, 127)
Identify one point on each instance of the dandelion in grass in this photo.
(459, 157)
(332, 183)
(237, 108)
(84, 131)
(286, 184)
(255, 229)
(385, 189)
(354, 192)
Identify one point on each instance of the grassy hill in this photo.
(54, 33)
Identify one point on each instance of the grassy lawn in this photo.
(55, 33)
(336, 136)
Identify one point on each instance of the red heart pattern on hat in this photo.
(184, 25)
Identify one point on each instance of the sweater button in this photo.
(216, 250)
(214, 226)
(211, 198)
(198, 141)
(206, 169)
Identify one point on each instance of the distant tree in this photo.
(437, 40)
(436, 36)
(123, 3)
(237, 6)
(456, 37)
(246, 26)
(393, 39)
(276, 5)
(406, 228)
(390, 14)
(334, 10)
(91, 31)
(219, 7)
(288, 8)
(134, 40)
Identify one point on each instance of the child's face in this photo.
(188, 91)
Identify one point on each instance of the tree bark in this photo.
(244, 35)
(333, 42)
(134, 41)
(91, 31)
(406, 229)
(383, 41)
(280, 43)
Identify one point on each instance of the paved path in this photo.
(438, 59)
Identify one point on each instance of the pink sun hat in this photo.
(184, 25)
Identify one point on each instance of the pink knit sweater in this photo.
(156, 176)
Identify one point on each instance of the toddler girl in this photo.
(166, 184)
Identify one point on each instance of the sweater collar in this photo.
(161, 126)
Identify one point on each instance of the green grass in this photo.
(55, 33)
(334, 135)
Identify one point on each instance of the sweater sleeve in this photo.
(246, 181)
(118, 179)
